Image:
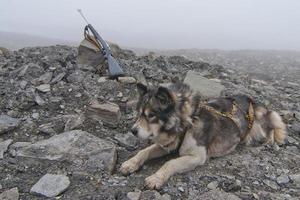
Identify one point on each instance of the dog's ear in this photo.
(164, 97)
(142, 89)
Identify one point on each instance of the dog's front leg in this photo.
(179, 165)
(133, 164)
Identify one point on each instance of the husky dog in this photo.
(176, 119)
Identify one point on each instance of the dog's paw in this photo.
(129, 167)
(154, 181)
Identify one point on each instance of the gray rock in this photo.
(212, 185)
(206, 87)
(153, 195)
(282, 179)
(102, 79)
(295, 178)
(271, 184)
(8, 123)
(58, 78)
(74, 122)
(47, 129)
(11, 194)
(76, 77)
(39, 100)
(292, 140)
(127, 79)
(23, 84)
(51, 185)
(35, 115)
(127, 140)
(31, 69)
(297, 115)
(83, 149)
(134, 195)
(3, 147)
(107, 112)
(180, 189)
(45, 78)
(44, 88)
(216, 195)
(296, 127)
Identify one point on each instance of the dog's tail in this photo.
(278, 127)
(268, 127)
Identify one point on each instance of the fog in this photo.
(163, 24)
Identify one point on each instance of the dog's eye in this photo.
(151, 115)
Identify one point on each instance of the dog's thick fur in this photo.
(176, 119)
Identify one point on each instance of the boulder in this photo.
(206, 87)
(84, 150)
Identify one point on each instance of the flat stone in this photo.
(282, 179)
(212, 185)
(39, 100)
(271, 184)
(4, 146)
(44, 88)
(127, 79)
(8, 123)
(134, 195)
(84, 150)
(11, 194)
(206, 87)
(127, 140)
(23, 84)
(107, 112)
(51, 185)
(47, 129)
(45, 78)
(261, 82)
(102, 79)
(216, 195)
(35, 115)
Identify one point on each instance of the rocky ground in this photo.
(64, 131)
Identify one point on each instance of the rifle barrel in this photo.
(80, 12)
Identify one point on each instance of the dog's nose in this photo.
(134, 131)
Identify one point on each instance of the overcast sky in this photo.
(222, 24)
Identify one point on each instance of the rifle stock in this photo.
(113, 66)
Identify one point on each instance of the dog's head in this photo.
(156, 114)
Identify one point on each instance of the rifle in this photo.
(113, 67)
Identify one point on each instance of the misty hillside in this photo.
(266, 64)
(15, 41)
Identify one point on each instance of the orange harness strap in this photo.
(249, 115)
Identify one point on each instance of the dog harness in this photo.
(249, 115)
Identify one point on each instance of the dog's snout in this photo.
(134, 131)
